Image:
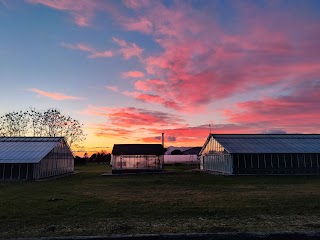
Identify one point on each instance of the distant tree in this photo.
(176, 152)
(108, 158)
(100, 157)
(47, 123)
(80, 161)
(93, 157)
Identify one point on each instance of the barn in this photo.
(134, 158)
(24, 158)
(261, 154)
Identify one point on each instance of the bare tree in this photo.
(14, 124)
(36, 119)
(47, 123)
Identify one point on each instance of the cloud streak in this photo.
(55, 95)
(87, 48)
(133, 74)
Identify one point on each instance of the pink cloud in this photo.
(222, 64)
(132, 117)
(137, 4)
(133, 74)
(153, 98)
(54, 95)
(112, 88)
(128, 50)
(141, 25)
(148, 85)
(294, 112)
(87, 48)
(82, 12)
(201, 60)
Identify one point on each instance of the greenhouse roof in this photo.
(269, 143)
(138, 149)
(26, 149)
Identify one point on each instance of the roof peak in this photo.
(30, 139)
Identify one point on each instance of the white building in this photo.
(34, 157)
(261, 154)
(134, 158)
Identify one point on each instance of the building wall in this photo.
(16, 171)
(58, 161)
(217, 162)
(215, 158)
(290, 163)
(183, 159)
(137, 161)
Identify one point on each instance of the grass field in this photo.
(89, 204)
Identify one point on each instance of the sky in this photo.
(130, 70)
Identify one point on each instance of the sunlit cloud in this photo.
(87, 48)
(137, 4)
(132, 74)
(133, 117)
(112, 88)
(128, 50)
(291, 113)
(82, 12)
(220, 65)
(200, 61)
(152, 98)
(55, 95)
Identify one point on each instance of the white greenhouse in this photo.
(34, 157)
(261, 154)
(135, 158)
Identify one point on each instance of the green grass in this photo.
(158, 203)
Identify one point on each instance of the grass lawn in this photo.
(89, 204)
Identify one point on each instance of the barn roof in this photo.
(26, 149)
(138, 149)
(269, 143)
(192, 151)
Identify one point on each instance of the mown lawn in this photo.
(89, 204)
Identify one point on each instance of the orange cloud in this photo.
(54, 95)
(133, 74)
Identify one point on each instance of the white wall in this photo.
(184, 159)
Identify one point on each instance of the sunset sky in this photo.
(129, 70)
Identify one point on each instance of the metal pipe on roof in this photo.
(162, 139)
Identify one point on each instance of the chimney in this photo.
(162, 138)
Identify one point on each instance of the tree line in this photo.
(41, 123)
(101, 157)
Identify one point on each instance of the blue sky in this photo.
(132, 69)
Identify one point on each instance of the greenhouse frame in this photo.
(135, 158)
(32, 158)
(261, 154)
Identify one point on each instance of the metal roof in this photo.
(26, 149)
(269, 143)
(138, 149)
